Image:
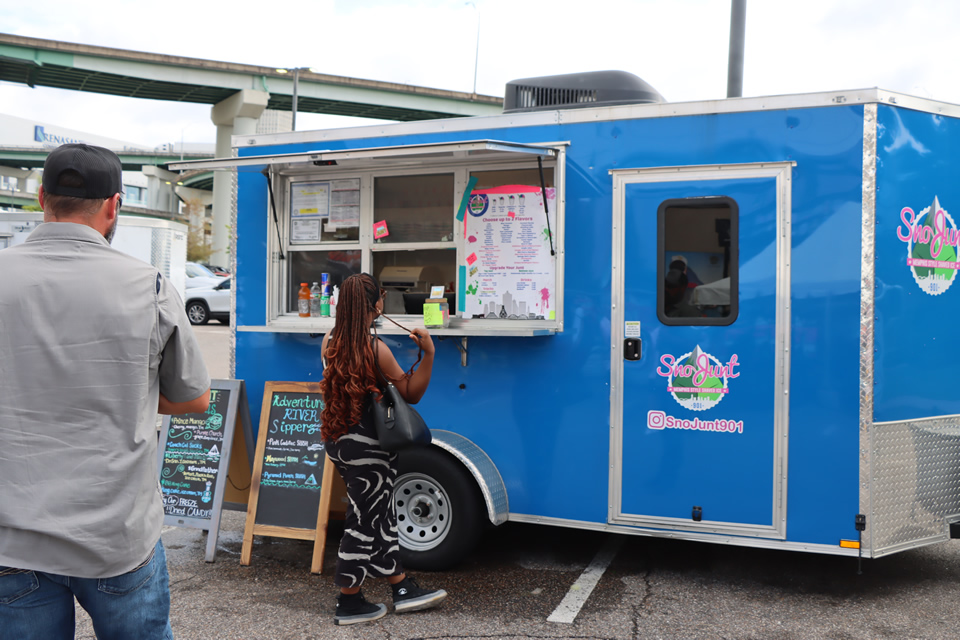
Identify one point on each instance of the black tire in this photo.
(198, 312)
(440, 512)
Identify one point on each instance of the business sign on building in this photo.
(42, 136)
(20, 132)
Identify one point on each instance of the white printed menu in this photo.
(511, 273)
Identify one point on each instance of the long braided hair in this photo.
(349, 376)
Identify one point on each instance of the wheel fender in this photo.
(480, 465)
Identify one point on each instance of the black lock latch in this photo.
(697, 514)
(631, 349)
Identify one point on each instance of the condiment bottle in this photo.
(303, 300)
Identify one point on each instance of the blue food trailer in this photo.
(724, 321)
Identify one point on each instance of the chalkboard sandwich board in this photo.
(292, 479)
(195, 453)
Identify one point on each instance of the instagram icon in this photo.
(656, 419)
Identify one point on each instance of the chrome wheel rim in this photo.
(196, 313)
(423, 511)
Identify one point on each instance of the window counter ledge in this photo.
(502, 328)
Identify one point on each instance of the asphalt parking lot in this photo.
(524, 576)
(520, 574)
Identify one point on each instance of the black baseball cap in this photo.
(99, 169)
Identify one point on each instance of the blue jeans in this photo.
(39, 606)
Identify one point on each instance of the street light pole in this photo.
(296, 87)
(296, 82)
(738, 19)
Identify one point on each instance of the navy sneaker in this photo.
(408, 596)
(353, 609)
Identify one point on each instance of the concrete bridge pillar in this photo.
(160, 189)
(236, 115)
(22, 176)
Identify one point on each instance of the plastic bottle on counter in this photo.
(303, 300)
(315, 300)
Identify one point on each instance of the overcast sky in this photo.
(678, 46)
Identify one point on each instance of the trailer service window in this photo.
(406, 223)
(697, 261)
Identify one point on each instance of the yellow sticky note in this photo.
(551, 315)
(432, 317)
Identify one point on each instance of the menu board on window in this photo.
(344, 204)
(324, 211)
(309, 200)
(511, 273)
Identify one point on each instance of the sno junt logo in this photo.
(479, 203)
(697, 380)
(931, 239)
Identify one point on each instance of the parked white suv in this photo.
(209, 303)
(199, 276)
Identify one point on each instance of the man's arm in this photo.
(182, 373)
(197, 405)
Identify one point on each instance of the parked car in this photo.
(199, 276)
(218, 271)
(209, 303)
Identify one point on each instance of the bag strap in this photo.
(375, 345)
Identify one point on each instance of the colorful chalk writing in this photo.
(191, 459)
(292, 461)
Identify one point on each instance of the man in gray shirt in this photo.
(92, 344)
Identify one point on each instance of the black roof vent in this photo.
(573, 90)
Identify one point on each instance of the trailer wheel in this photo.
(440, 513)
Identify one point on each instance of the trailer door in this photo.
(700, 330)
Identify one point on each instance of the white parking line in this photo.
(566, 612)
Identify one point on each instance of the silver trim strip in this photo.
(782, 173)
(704, 526)
(483, 470)
(920, 421)
(783, 332)
(913, 544)
(234, 226)
(459, 150)
(868, 229)
(756, 543)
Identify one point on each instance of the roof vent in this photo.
(573, 90)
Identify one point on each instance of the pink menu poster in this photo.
(511, 273)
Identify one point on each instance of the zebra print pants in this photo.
(369, 547)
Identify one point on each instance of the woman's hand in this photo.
(422, 337)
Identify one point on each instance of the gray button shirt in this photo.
(89, 338)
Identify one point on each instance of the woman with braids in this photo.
(351, 357)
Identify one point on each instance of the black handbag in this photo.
(398, 425)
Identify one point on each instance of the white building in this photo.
(152, 189)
